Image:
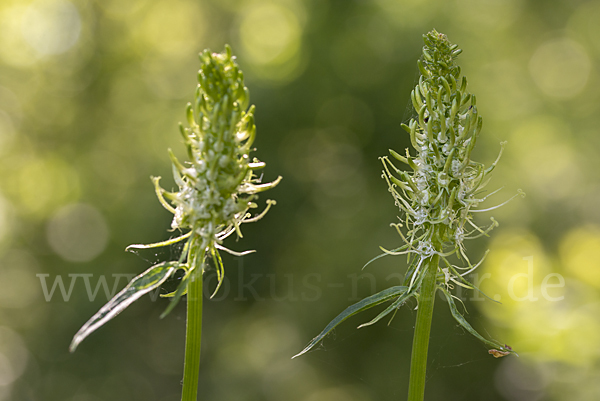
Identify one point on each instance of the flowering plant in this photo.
(437, 197)
(217, 189)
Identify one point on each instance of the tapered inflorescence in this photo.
(438, 189)
(439, 192)
(217, 187)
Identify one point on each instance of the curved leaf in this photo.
(140, 285)
(360, 306)
(395, 305)
(403, 247)
(177, 294)
(159, 244)
(461, 320)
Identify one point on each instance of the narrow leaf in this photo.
(140, 285)
(403, 247)
(360, 306)
(395, 305)
(461, 320)
(469, 285)
(177, 294)
(159, 244)
(220, 269)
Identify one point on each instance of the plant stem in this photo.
(193, 336)
(418, 362)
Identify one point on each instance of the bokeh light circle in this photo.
(13, 356)
(77, 232)
(270, 34)
(51, 27)
(560, 68)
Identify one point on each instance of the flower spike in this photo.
(436, 194)
(216, 189)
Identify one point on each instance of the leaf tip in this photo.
(299, 354)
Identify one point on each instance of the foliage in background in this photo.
(89, 94)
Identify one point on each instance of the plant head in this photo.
(216, 187)
(440, 188)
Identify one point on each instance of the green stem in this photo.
(418, 362)
(193, 335)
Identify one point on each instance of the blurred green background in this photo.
(90, 96)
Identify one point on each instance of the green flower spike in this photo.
(437, 195)
(217, 188)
